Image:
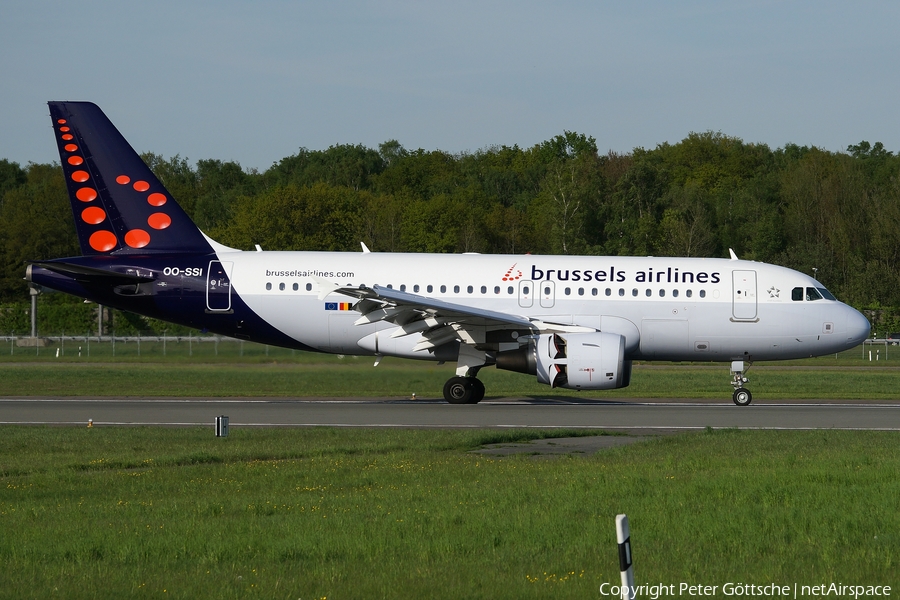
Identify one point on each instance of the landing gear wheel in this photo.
(742, 396)
(463, 390)
(477, 391)
(458, 390)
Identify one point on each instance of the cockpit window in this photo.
(810, 294)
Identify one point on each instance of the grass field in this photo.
(324, 513)
(230, 368)
(329, 376)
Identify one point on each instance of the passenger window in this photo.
(581, 291)
(674, 293)
(526, 290)
(634, 292)
(430, 288)
(443, 289)
(703, 293)
(308, 287)
(484, 289)
(390, 286)
(470, 289)
(689, 293)
(608, 292)
(281, 286)
(496, 289)
(509, 290)
(594, 291)
(648, 293)
(547, 291)
(268, 286)
(455, 289)
(568, 291)
(662, 293)
(416, 288)
(621, 291)
(402, 287)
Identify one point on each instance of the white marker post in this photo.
(222, 426)
(623, 537)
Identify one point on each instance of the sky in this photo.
(253, 82)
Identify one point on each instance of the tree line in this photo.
(832, 214)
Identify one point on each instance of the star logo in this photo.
(774, 292)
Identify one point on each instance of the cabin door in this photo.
(744, 295)
(218, 286)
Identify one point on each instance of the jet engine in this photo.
(578, 361)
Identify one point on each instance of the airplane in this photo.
(574, 322)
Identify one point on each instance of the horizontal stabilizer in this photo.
(93, 275)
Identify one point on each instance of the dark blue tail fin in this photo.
(120, 207)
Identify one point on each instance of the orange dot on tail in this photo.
(123, 179)
(103, 241)
(141, 186)
(93, 215)
(156, 199)
(64, 129)
(70, 147)
(61, 121)
(68, 136)
(80, 176)
(137, 238)
(86, 194)
(75, 160)
(159, 220)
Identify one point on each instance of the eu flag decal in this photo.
(337, 306)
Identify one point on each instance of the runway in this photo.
(636, 415)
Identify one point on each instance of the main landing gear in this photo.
(742, 395)
(463, 390)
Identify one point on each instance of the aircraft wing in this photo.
(439, 321)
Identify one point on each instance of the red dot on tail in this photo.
(75, 160)
(137, 238)
(123, 179)
(103, 241)
(159, 220)
(80, 176)
(70, 147)
(67, 136)
(156, 199)
(61, 121)
(86, 194)
(93, 215)
(64, 129)
(141, 186)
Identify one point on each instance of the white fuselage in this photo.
(666, 308)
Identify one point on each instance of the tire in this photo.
(458, 390)
(742, 396)
(477, 391)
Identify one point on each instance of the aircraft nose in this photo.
(858, 327)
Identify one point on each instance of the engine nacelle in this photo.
(578, 361)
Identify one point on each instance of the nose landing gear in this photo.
(742, 395)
